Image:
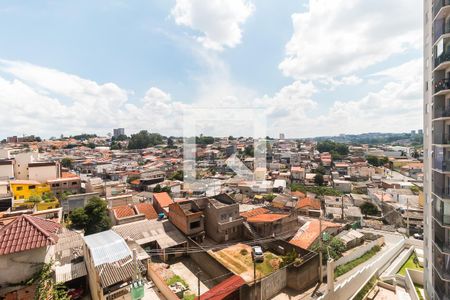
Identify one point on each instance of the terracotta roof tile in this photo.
(266, 218)
(123, 211)
(308, 233)
(26, 233)
(254, 212)
(146, 209)
(163, 199)
(308, 203)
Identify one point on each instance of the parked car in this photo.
(257, 254)
(418, 236)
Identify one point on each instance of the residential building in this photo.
(25, 243)
(5, 196)
(110, 265)
(24, 189)
(118, 132)
(6, 169)
(309, 233)
(188, 218)
(161, 202)
(67, 184)
(223, 221)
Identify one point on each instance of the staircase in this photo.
(250, 231)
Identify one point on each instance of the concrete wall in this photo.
(208, 264)
(43, 173)
(6, 171)
(359, 251)
(159, 282)
(21, 266)
(409, 284)
(305, 276)
(353, 284)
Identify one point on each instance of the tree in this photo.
(369, 209)
(46, 287)
(35, 199)
(320, 170)
(144, 139)
(335, 247)
(248, 151)
(177, 175)
(318, 179)
(159, 189)
(93, 218)
(78, 218)
(170, 143)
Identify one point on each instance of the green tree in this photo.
(35, 199)
(170, 143)
(93, 218)
(144, 139)
(46, 287)
(66, 162)
(248, 151)
(78, 218)
(318, 179)
(369, 209)
(177, 175)
(334, 247)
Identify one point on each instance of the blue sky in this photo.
(316, 68)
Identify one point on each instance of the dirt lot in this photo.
(238, 259)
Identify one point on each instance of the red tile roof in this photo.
(308, 233)
(308, 203)
(69, 175)
(26, 233)
(123, 211)
(163, 199)
(298, 194)
(254, 212)
(223, 289)
(146, 209)
(266, 218)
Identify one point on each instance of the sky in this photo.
(300, 67)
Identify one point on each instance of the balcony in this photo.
(442, 288)
(442, 61)
(442, 87)
(442, 263)
(438, 5)
(441, 212)
(439, 29)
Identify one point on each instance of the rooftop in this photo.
(163, 199)
(26, 233)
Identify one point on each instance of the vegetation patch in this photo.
(342, 269)
(366, 289)
(318, 190)
(175, 279)
(411, 263)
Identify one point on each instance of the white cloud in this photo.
(219, 21)
(340, 37)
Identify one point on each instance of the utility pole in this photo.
(254, 279)
(320, 247)
(198, 284)
(342, 207)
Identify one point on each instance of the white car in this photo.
(258, 254)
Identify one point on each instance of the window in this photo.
(19, 188)
(74, 183)
(32, 187)
(194, 225)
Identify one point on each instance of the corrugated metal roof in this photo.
(69, 272)
(107, 247)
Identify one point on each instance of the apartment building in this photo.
(436, 148)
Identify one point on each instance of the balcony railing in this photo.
(441, 287)
(439, 214)
(444, 57)
(441, 262)
(438, 5)
(441, 139)
(442, 113)
(442, 165)
(440, 85)
(440, 28)
(443, 192)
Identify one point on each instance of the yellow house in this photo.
(22, 190)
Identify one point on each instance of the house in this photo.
(343, 185)
(69, 184)
(71, 202)
(124, 214)
(223, 221)
(146, 209)
(6, 169)
(309, 233)
(5, 196)
(188, 218)
(297, 174)
(111, 267)
(154, 236)
(161, 202)
(25, 244)
(308, 206)
(270, 224)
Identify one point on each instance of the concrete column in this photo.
(330, 276)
